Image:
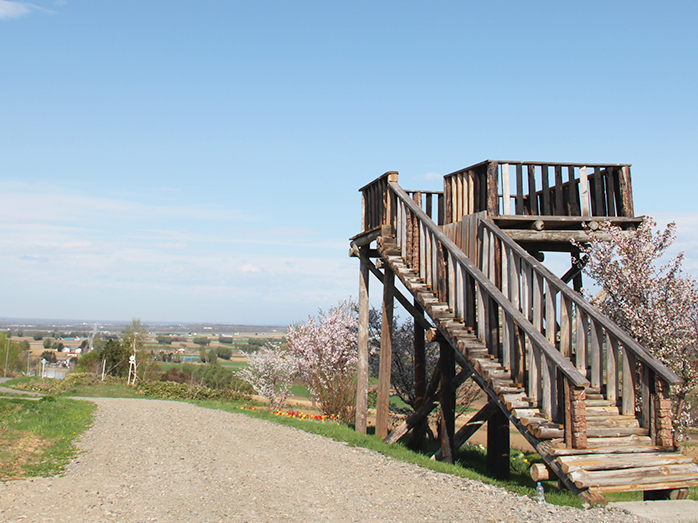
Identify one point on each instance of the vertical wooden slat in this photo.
(646, 398)
(599, 193)
(492, 192)
(532, 197)
(574, 209)
(565, 327)
(626, 193)
(582, 330)
(547, 386)
(550, 321)
(519, 190)
(471, 192)
(610, 193)
(584, 191)
(612, 369)
(535, 362)
(628, 383)
(440, 203)
(458, 200)
(559, 211)
(448, 182)
(429, 208)
(546, 190)
(595, 346)
(506, 190)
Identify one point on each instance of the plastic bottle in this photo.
(540, 493)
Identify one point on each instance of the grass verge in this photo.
(37, 437)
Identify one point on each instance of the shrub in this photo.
(326, 351)
(270, 372)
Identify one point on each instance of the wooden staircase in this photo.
(591, 401)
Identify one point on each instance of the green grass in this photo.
(300, 390)
(37, 437)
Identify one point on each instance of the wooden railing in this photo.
(615, 363)
(477, 301)
(377, 209)
(539, 188)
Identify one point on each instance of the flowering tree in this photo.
(657, 305)
(326, 351)
(271, 371)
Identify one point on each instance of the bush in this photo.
(171, 390)
(224, 353)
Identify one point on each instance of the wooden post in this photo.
(498, 445)
(662, 414)
(447, 365)
(420, 379)
(386, 356)
(575, 416)
(362, 366)
(492, 192)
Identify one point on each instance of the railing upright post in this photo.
(492, 205)
(664, 433)
(575, 416)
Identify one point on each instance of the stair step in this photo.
(588, 462)
(544, 432)
(600, 403)
(635, 477)
(601, 411)
(505, 389)
(614, 421)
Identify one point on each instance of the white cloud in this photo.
(432, 177)
(249, 268)
(13, 9)
(9, 9)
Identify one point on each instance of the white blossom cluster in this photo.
(271, 372)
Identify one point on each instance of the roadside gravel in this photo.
(147, 460)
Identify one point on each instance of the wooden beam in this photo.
(362, 366)
(383, 401)
(447, 364)
(498, 447)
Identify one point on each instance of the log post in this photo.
(664, 433)
(447, 364)
(575, 416)
(386, 355)
(492, 189)
(420, 380)
(362, 366)
(498, 447)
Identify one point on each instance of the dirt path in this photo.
(146, 460)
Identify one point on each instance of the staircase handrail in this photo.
(592, 312)
(551, 353)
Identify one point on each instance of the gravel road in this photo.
(146, 460)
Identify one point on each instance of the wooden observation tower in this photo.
(590, 399)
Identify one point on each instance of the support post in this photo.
(447, 364)
(662, 412)
(498, 445)
(420, 379)
(362, 366)
(386, 356)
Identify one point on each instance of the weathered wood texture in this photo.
(383, 400)
(586, 190)
(362, 364)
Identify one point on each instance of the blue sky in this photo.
(199, 161)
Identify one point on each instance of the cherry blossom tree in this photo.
(656, 304)
(271, 371)
(326, 351)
